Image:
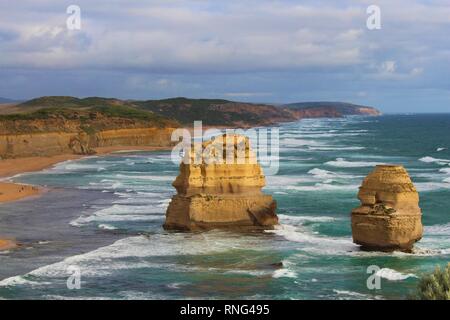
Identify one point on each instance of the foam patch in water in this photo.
(342, 163)
(393, 275)
(441, 162)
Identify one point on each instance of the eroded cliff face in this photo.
(389, 217)
(48, 137)
(211, 194)
(53, 143)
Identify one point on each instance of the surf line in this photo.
(192, 310)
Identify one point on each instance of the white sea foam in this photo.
(291, 142)
(324, 187)
(331, 135)
(335, 148)
(59, 297)
(431, 186)
(441, 162)
(82, 167)
(352, 295)
(81, 221)
(106, 226)
(439, 229)
(119, 212)
(393, 275)
(287, 219)
(440, 149)
(20, 280)
(314, 243)
(111, 259)
(325, 174)
(445, 170)
(321, 173)
(284, 273)
(279, 180)
(342, 163)
(145, 177)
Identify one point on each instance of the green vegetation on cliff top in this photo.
(434, 286)
(72, 114)
(216, 112)
(343, 107)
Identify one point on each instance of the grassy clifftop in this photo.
(216, 112)
(339, 108)
(75, 119)
(97, 112)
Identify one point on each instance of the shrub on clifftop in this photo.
(435, 286)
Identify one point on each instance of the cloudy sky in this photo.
(248, 50)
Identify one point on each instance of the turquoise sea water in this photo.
(104, 216)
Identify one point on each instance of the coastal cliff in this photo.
(48, 126)
(222, 190)
(389, 217)
(304, 110)
(54, 143)
(52, 132)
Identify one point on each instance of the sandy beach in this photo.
(13, 191)
(10, 191)
(7, 244)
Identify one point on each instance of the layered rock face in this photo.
(389, 217)
(221, 188)
(54, 143)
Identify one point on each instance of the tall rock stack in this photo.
(389, 217)
(222, 189)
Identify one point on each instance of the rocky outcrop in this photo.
(220, 187)
(389, 217)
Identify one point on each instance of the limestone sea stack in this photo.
(211, 194)
(389, 217)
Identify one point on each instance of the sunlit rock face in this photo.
(389, 217)
(219, 186)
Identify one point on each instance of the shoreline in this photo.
(11, 191)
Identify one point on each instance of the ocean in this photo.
(104, 216)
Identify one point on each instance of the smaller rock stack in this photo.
(389, 217)
(211, 194)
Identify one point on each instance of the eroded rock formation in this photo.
(54, 143)
(211, 194)
(389, 217)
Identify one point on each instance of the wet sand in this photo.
(7, 244)
(10, 191)
(13, 191)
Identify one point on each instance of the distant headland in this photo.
(54, 125)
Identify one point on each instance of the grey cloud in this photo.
(290, 49)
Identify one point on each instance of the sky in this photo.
(272, 51)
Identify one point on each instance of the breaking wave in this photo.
(393, 275)
(342, 163)
(441, 162)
